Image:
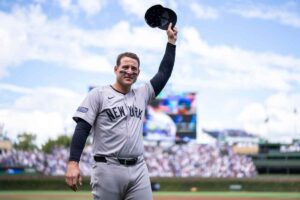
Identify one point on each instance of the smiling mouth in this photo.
(129, 77)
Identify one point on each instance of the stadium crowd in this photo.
(199, 160)
(294, 147)
(202, 160)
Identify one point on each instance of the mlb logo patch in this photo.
(82, 109)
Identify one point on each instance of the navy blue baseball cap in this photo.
(161, 17)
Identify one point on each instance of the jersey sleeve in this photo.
(161, 78)
(90, 107)
(148, 92)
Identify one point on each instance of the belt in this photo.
(126, 162)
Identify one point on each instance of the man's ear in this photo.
(115, 68)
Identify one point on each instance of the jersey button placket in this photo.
(127, 115)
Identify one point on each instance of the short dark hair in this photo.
(127, 54)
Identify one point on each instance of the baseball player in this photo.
(114, 115)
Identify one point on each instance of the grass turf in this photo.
(69, 195)
(291, 195)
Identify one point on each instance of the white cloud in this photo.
(46, 112)
(65, 4)
(204, 12)
(91, 7)
(35, 122)
(226, 67)
(281, 14)
(254, 116)
(14, 88)
(27, 34)
(275, 118)
(138, 7)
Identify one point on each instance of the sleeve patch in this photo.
(82, 109)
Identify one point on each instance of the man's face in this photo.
(127, 72)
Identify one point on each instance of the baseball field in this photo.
(69, 195)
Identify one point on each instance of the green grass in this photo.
(69, 195)
(291, 195)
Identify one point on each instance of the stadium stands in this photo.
(278, 158)
(189, 160)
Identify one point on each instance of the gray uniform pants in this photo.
(113, 181)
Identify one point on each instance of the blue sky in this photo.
(241, 57)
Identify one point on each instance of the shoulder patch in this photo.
(82, 109)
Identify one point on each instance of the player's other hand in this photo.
(73, 177)
(172, 34)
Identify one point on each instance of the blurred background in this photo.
(229, 110)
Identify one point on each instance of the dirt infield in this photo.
(157, 196)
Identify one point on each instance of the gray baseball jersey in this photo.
(116, 119)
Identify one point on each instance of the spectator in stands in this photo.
(197, 160)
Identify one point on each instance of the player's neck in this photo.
(120, 88)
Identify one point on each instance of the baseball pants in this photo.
(113, 181)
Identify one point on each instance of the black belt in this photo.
(127, 162)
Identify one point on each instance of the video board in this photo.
(172, 118)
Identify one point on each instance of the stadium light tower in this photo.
(295, 121)
(267, 120)
(1, 130)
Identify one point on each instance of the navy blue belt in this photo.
(126, 162)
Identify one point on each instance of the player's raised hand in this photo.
(172, 34)
(73, 177)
